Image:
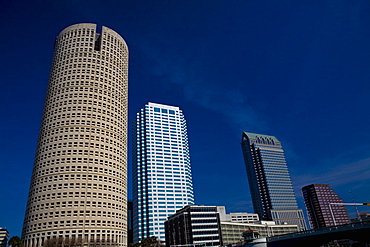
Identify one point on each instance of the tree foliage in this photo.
(79, 242)
(146, 242)
(15, 241)
(136, 244)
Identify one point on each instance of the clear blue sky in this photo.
(299, 70)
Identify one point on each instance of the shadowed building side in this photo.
(194, 225)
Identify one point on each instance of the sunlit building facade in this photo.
(78, 190)
(270, 184)
(237, 217)
(162, 179)
(232, 232)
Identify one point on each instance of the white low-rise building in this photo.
(232, 232)
(237, 217)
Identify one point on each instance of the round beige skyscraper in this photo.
(78, 191)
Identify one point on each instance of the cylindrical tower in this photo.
(78, 191)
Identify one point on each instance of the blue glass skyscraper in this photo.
(269, 180)
(162, 179)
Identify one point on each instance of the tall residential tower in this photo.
(162, 180)
(78, 191)
(321, 213)
(269, 180)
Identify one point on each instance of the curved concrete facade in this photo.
(78, 191)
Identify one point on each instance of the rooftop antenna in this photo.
(353, 200)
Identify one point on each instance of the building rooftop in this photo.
(255, 136)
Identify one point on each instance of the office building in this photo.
(234, 224)
(4, 237)
(237, 217)
(232, 232)
(269, 180)
(162, 179)
(194, 225)
(322, 208)
(78, 190)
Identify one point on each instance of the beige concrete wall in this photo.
(78, 191)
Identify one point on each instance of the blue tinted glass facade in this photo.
(270, 184)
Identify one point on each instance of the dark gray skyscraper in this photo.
(78, 191)
(269, 180)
